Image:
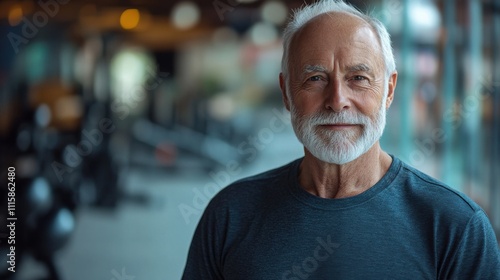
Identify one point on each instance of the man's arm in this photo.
(477, 255)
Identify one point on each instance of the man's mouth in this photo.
(338, 126)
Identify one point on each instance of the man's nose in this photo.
(336, 98)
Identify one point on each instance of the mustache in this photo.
(344, 117)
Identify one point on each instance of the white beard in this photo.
(338, 147)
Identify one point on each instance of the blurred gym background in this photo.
(123, 118)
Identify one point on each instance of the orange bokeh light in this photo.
(130, 18)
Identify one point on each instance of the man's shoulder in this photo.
(257, 185)
(436, 194)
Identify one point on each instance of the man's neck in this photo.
(328, 180)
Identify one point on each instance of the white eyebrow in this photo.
(359, 68)
(314, 68)
(354, 68)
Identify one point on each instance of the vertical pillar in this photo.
(407, 81)
(472, 104)
(449, 89)
(495, 90)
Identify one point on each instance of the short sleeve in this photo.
(204, 254)
(477, 255)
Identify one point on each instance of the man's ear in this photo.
(284, 95)
(391, 87)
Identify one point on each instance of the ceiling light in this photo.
(130, 18)
(274, 12)
(185, 15)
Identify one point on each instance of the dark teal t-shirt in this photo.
(407, 226)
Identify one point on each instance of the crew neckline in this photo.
(340, 203)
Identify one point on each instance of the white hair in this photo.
(305, 14)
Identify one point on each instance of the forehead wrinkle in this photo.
(359, 42)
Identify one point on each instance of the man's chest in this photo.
(327, 250)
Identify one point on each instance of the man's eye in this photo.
(359, 78)
(315, 78)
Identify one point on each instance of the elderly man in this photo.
(347, 209)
